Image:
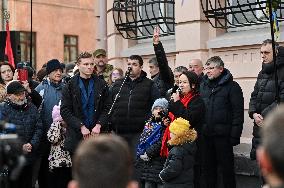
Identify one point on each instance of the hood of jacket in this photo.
(186, 137)
(56, 86)
(226, 76)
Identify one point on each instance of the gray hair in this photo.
(180, 69)
(154, 61)
(269, 41)
(216, 60)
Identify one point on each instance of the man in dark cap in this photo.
(50, 90)
(102, 69)
(17, 109)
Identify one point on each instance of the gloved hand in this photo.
(234, 141)
(144, 157)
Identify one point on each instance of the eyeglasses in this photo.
(210, 68)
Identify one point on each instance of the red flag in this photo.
(8, 48)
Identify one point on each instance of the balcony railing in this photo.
(136, 19)
(239, 13)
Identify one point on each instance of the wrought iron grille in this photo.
(239, 13)
(136, 19)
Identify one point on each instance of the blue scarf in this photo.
(88, 103)
(151, 134)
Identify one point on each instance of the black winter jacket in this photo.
(178, 168)
(164, 80)
(28, 125)
(133, 105)
(72, 112)
(224, 106)
(263, 97)
(194, 112)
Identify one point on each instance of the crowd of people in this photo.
(178, 127)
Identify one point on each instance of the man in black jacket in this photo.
(133, 104)
(83, 100)
(159, 69)
(263, 97)
(223, 125)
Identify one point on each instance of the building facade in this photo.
(196, 38)
(61, 28)
(66, 27)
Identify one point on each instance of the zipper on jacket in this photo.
(128, 106)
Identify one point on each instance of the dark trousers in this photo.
(198, 163)
(133, 140)
(218, 152)
(60, 177)
(43, 174)
(149, 184)
(24, 179)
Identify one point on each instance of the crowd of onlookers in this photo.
(180, 126)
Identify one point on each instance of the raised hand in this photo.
(156, 35)
(27, 86)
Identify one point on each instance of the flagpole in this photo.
(8, 46)
(4, 9)
(277, 97)
(31, 34)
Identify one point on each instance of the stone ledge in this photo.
(243, 164)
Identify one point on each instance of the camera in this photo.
(22, 71)
(12, 160)
(162, 114)
(176, 89)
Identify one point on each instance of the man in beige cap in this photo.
(102, 69)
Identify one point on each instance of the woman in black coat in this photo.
(188, 104)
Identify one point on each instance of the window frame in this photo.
(163, 26)
(69, 46)
(258, 13)
(26, 42)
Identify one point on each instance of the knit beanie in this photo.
(56, 114)
(161, 102)
(52, 65)
(179, 126)
(14, 87)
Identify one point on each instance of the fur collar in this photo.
(185, 137)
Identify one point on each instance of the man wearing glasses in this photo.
(223, 123)
(263, 97)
